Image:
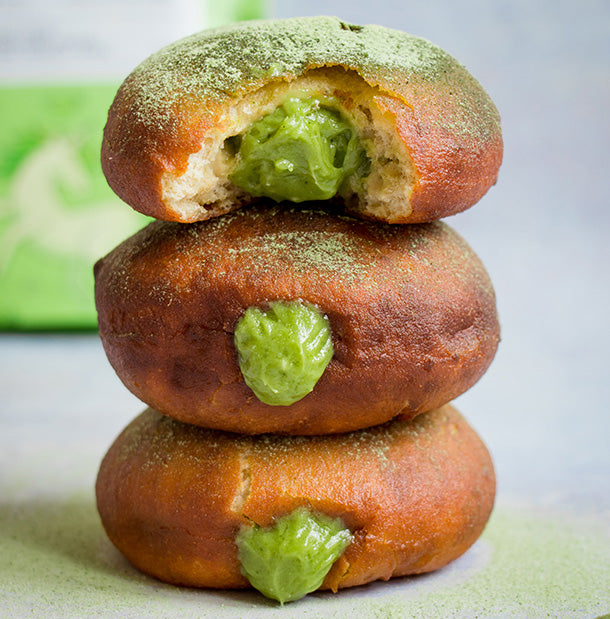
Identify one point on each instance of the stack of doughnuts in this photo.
(407, 307)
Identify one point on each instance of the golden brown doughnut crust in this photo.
(416, 495)
(174, 100)
(411, 309)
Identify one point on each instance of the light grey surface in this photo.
(542, 408)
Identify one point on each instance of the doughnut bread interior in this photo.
(388, 187)
(430, 131)
(415, 495)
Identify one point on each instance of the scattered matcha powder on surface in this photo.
(538, 566)
(57, 562)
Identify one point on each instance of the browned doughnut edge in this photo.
(411, 308)
(177, 98)
(416, 495)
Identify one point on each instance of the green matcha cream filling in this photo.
(283, 351)
(301, 151)
(290, 559)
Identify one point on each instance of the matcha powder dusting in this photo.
(56, 562)
(224, 62)
(536, 566)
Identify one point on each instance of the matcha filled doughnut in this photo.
(285, 319)
(289, 515)
(300, 109)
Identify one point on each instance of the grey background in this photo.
(542, 231)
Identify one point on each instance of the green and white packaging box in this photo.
(61, 63)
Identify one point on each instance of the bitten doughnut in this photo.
(394, 127)
(412, 496)
(410, 312)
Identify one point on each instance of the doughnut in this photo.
(397, 130)
(409, 496)
(409, 310)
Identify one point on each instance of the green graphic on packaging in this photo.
(235, 10)
(59, 72)
(57, 214)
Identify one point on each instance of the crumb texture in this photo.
(424, 120)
